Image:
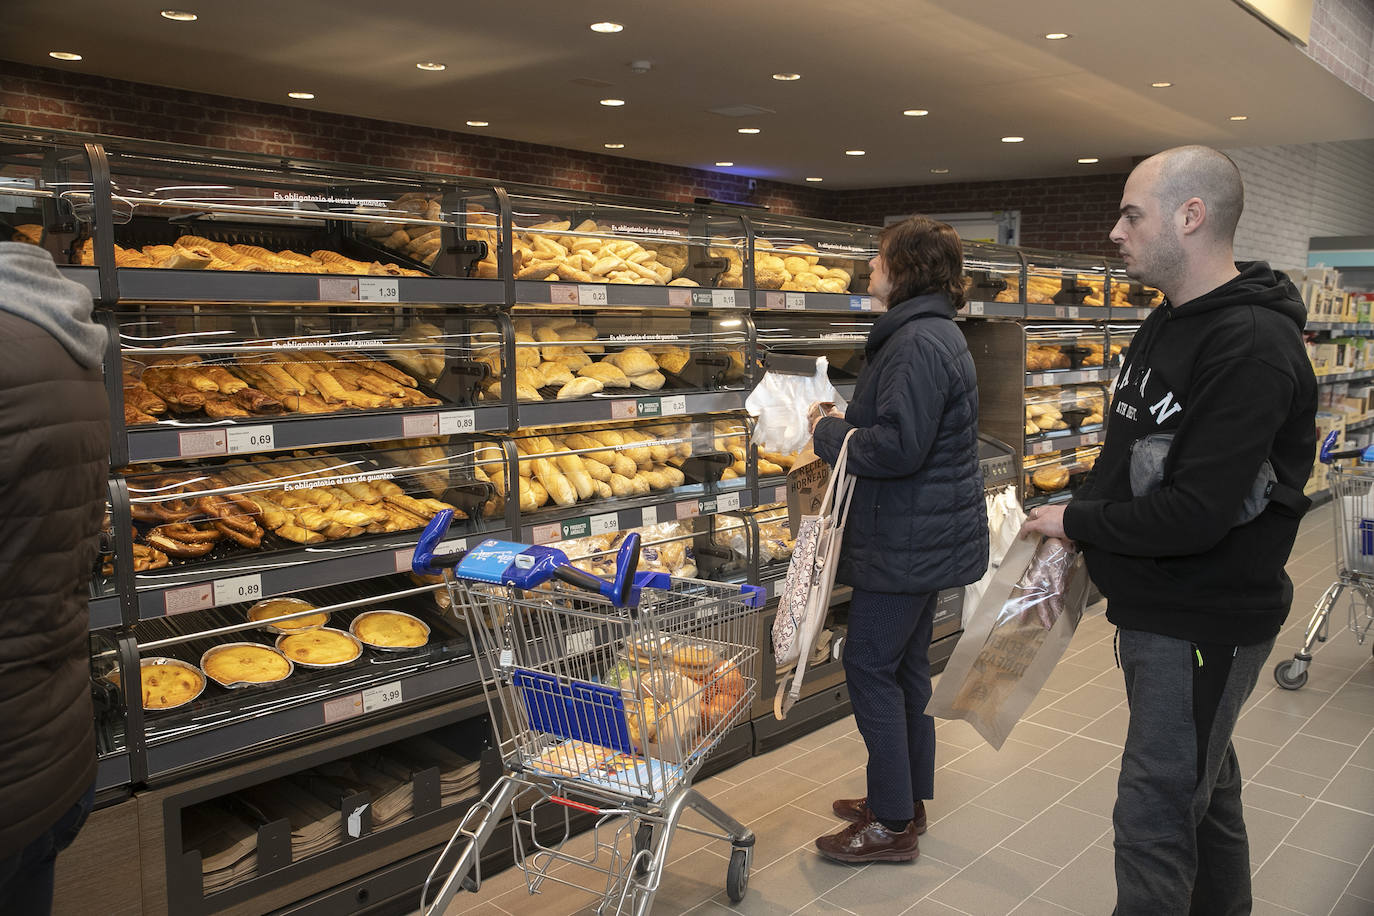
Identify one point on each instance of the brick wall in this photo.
(1342, 41)
(1062, 214)
(1294, 193)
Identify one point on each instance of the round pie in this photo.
(390, 630)
(245, 663)
(168, 684)
(320, 648)
(275, 607)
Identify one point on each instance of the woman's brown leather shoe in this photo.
(855, 810)
(870, 841)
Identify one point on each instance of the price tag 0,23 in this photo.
(591, 295)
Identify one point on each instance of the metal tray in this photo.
(357, 644)
(353, 630)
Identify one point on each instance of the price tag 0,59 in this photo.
(381, 697)
(238, 589)
(606, 524)
(250, 439)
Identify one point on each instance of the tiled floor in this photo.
(1027, 829)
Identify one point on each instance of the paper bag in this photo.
(806, 483)
(1013, 639)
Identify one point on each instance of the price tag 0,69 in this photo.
(250, 439)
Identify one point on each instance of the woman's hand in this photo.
(818, 410)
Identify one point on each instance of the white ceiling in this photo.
(981, 67)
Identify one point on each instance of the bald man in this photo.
(1190, 552)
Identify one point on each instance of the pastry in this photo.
(650, 381)
(29, 232)
(579, 388)
(245, 663)
(167, 684)
(276, 607)
(633, 361)
(608, 374)
(320, 648)
(390, 630)
(1051, 479)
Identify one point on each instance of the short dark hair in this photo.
(923, 256)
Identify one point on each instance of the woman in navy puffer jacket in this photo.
(917, 524)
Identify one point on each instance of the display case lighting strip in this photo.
(10, 191)
(278, 212)
(257, 624)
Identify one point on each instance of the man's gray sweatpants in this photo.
(1181, 845)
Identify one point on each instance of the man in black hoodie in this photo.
(1197, 597)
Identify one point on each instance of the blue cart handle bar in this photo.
(1329, 454)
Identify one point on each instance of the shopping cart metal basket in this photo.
(605, 698)
(1352, 505)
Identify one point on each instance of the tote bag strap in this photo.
(837, 476)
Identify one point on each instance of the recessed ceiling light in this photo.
(1057, 36)
(786, 77)
(614, 145)
(479, 124)
(301, 95)
(431, 66)
(1013, 139)
(854, 152)
(612, 103)
(725, 165)
(939, 171)
(1240, 117)
(179, 15)
(607, 28)
(916, 112)
(1088, 160)
(748, 130)
(1162, 84)
(815, 179)
(64, 55)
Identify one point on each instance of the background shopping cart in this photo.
(1352, 502)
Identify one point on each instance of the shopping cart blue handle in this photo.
(1329, 454)
(424, 561)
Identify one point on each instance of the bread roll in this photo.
(579, 388)
(607, 374)
(650, 381)
(555, 375)
(674, 360)
(633, 361)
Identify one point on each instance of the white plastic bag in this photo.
(1005, 518)
(780, 402)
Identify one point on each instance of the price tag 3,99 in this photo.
(376, 698)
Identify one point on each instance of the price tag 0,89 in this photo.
(238, 589)
(457, 421)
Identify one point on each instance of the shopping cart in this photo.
(605, 698)
(1352, 504)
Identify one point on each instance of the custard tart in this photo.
(237, 663)
(276, 607)
(390, 630)
(321, 648)
(169, 683)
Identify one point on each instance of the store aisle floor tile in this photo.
(1027, 830)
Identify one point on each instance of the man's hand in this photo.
(1046, 520)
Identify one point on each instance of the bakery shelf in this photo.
(1129, 295)
(994, 310)
(113, 771)
(105, 612)
(1332, 378)
(1067, 377)
(619, 295)
(1069, 312)
(1344, 327)
(1364, 423)
(1058, 278)
(88, 277)
(560, 525)
(1129, 313)
(622, 406)
(1053, 442)
(153, 285)
(816, 302)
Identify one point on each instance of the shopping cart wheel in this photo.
(644, 839)
(737, 877)
(1287, 678)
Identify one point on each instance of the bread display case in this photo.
(805, 264)
(583, 365)
(221, 381)
(46, 196)
(1130, 298)
(1061, 285)
(254, 527)
(1064, 418)
(1053, 476)
(1065, 353)
(841, 339)
(992, 279)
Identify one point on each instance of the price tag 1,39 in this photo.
(457, 421)
(376, 698)
(591, 295)
(379, 289)
(249, 439)
(237, 589)
(605, 524)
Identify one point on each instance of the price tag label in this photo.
(674, 406)
(723, 298)
(238, 588)
(546, 534)
(338, 289)
(1035, 381)
(457, 421)
(623, 410)
(774, 301)
(191, 598)
(591, 295)
(375, 698)
(341, 708)
(563, 294)
(379, 289)
(402, 559)
(202, 442)
(795, 302)
(861, 303)
(975, 308)
(693, 509)
(680, 298)
(249, 439)
(780, 494)
(506, 658)
(648, 407)
(701, 298)
(648, 516)
(424, 424)
(605, 524)
(727, 502)
(1040, 448)
(577, 643)
(575, 528)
